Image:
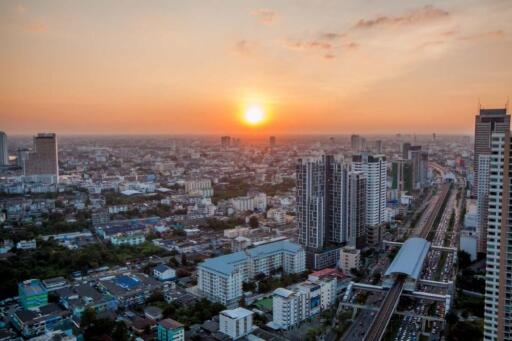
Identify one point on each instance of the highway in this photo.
(381, 320)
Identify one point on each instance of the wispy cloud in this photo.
(498, 34)
(332, 35)
(265, 16)
(304, 45)
(418, 16)
(245, 47)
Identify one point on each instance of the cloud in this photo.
(329, 56)
(418, 16)
(305, 45)
(498, 34)
(265, 16)
(245, 47)
(36, 27)
(332, 36)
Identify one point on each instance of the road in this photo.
(438, 267)
(378, 327)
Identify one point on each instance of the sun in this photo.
(254, 115)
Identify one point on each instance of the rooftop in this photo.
(170, 324)
(226, 264)
(236, 313)
(410, 258)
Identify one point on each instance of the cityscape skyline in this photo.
(175, 68)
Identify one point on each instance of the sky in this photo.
(195, 66)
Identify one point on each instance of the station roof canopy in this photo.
(410, 258)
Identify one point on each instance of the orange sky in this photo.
(318, 66)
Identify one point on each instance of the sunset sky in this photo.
(313, 66)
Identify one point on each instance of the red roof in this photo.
(328, 272)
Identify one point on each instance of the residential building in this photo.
(236, 323)
(350, 258)
(487, 122)
(220, 279)
(288, 308)
(375, 169)
(127, 239)
(32, 294)
(164, 273)
(482, 199)
(498, 303)
(307, 299)
(170, 330)
(43, 161)
(26, 244)
(329, 208)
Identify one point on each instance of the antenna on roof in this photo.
(479, 105)
(506, 104)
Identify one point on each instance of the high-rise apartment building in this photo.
(375, 169)
(357, 143)
(43, 161)
(482, 200)
(401, 176)
(487, 122)
(4, 153)
(419, 160)
(329, 208)
(498, 277)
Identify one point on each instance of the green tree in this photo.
(254, 222)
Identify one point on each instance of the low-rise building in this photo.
(164, 273)
(26, 244)
(350, 258)
(32, 294)
(131, 289)
(170, 330)
(236, 323)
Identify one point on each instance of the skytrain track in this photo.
(383, 316)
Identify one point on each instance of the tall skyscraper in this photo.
(375, 169)
(327, 215)
(498, 283)
(225, 141)
(355, 209)
(401, 176)
(43, 161)
(482, 200)
(272, 141)
(404, 149)
(4, 153)
(487, 122)
(357, 143)
(419, 160)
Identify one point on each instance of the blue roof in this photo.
(126, 282)
(410, 258)
(271, 248)
(226, 264)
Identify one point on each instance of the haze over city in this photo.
(289, 170)
(194, 67)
